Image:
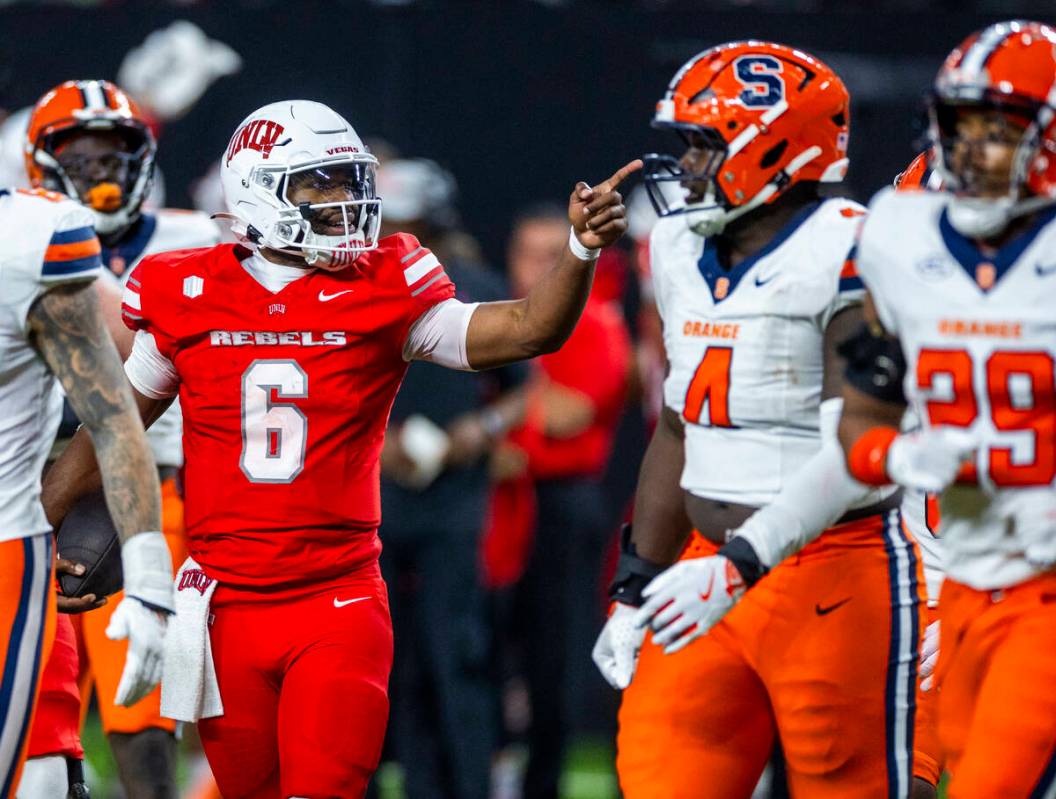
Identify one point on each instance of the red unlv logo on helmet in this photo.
(259, 135)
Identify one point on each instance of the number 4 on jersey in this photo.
(711, 384)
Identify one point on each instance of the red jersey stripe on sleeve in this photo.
(421, 270)
(132, 304)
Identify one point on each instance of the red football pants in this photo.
(304, 683)
(56, 727)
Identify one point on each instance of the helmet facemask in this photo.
(704, 205)
(329, 211)
(674, 188)
(112, 185)
(982, 207)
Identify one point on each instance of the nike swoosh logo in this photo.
(759, 282)
(324, 297)
(340, 603)
(1043, 271)
(711, 585)
(825, 611)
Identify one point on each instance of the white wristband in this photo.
(147, 567)
(578, 250)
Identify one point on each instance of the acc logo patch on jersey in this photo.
(934, 268)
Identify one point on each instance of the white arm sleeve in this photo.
(150, 372)
(439, 335)
(810, 502)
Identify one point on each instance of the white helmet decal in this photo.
(301, 142)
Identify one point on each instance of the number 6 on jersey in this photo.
(274, 434)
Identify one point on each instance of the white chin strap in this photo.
(111, 223)
(981, 218)
(708, 218)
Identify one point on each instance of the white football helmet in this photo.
(290, 145)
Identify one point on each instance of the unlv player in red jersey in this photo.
(286, 351)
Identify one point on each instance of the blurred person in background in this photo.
(573, 406)
(443, 727)
(90, 141)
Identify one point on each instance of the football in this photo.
(87, 536)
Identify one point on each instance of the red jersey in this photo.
(285, 400)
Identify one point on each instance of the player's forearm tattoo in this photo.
(70, 335)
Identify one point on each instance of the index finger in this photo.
(619, 176)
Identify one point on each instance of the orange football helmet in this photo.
(772, 116)
(1009, 68)
(919, 175)
(113, 186)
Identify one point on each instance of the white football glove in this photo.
(616, 650)
(145, 630)
(689, 599)
(142, 615)
(929, 459)
(929, 655)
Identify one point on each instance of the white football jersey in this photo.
(47, 242)
(979, 336)
(163, 231)
(745, 347)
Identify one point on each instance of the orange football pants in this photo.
(103, 660)
(997, 689)
(823, 652)
(27, 629)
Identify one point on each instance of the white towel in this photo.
(189, 690)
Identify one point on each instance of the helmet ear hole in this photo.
(773, 155)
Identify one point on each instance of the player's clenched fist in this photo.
(597, 213)
(616, 650)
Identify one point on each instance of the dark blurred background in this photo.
(518, 98)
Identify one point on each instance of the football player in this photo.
(50, 327)
(286, 351)
(90, 141)
(749, 267)
(961, 326)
